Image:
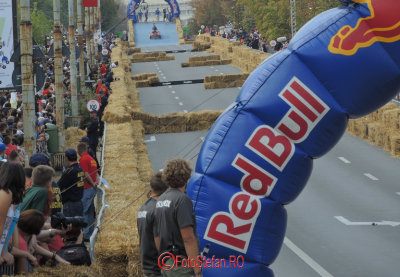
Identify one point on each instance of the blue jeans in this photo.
(71, 209)
(88, 211)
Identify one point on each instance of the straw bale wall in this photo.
(131, 31)
(205, 61)
(151, 57)
(242, 57)
(128, 170)
(225, 81)
(380, 128)
(180, 30)
(145, 79)
(133, 50)
(176, 122)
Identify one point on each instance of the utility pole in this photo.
(28, 97)
(88, 42)
(80, 42)
(99, 15)
(293, 17)
(72, 57)
(58, 70)
(93, 31)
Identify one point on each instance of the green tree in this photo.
(208, 12)
(193, 28)
(41, 25)
(110, 15)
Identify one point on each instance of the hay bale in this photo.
(376, 133)
(67, 270)
(72, 137)
(395, 145)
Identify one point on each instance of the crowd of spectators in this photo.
(251, 39)
(36, 212)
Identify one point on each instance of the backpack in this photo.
(76, 254)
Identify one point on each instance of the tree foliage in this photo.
(41, 25)
(110, 15)
(208, 12)
(270, 17)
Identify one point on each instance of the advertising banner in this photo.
(6, 44)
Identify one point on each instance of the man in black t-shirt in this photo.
(175, 226)
(145, 222)
(71, 185)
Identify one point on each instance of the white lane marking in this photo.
(185, 111)
(216, 70)
(343, 159)
(173, 92)
(176, 97)
(398, 193)
(202, 139)
(347, 222)
(152, 138)
(372, 177)
(164, 77)
(307, 259)
(211, 67)
(160, 71)
(221, 73)
(180, 104)
(170, 86)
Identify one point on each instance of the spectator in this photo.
(28, 177)
(91, 181)
(12, 184)
(29, 226)
(71, 185)
(38, 194)
(145, 222)
(3, 149)
(158, 14)
(146, 15)
(175, 220)
(90, 150)
(93, 131)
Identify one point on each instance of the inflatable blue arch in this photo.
(259, 154)
(134, 4)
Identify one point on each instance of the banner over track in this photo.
(134, 5)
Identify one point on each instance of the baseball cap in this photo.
(38, 159)
(3, 147)
(84, 139)
(71, 154)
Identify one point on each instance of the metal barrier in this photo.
(103, 205)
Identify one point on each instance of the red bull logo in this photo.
(383, 25)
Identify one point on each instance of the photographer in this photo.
(29, 225)
(145, 222)
(71, 185)
(175, 220)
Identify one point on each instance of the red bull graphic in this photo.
(293, 109)
(382, 25)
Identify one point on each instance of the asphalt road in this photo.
(334, 227)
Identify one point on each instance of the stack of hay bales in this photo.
(380, 128)
(133, 50)
(205, 61)
(68, 270)
(225, 81)
(72, 137)
(180, 30)
(176, 122)
(242, 57)
(128, 170)
(151, 57)
(145, 79)
(131, 33)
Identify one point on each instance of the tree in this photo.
(110, 15)
(208, 12)
(41, 25)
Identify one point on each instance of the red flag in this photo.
(90, 3)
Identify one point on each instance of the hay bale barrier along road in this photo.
(149, 125)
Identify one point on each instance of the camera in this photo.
(60, 220)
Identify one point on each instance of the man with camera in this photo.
(71, 185)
